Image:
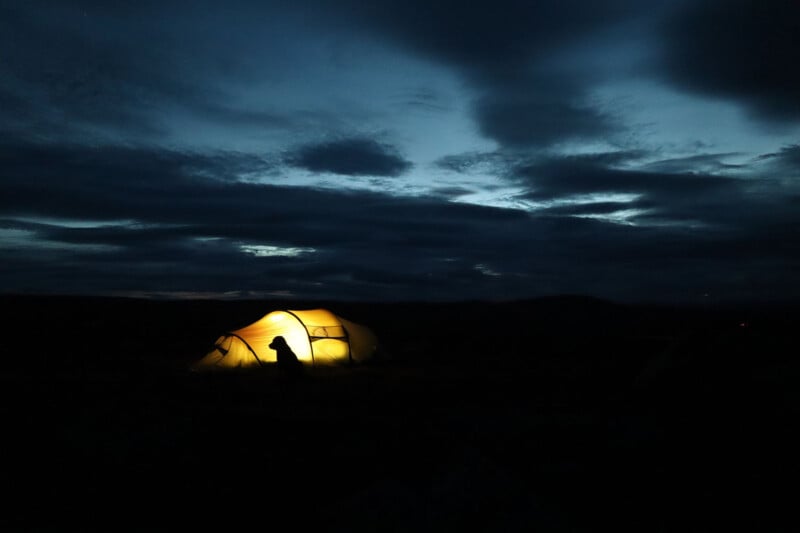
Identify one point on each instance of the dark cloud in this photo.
(505, 50)
(350, 157)
(172, 222)
(738, 49)
(691, 198)
(784, 163)
(112, 182)
(158, 213)
(538, 118)
(488, 39)
(595, 208)
(563, 176)
(451, 192)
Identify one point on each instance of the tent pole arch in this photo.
(260, 362)
(308, 335)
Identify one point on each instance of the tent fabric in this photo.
(316, 336)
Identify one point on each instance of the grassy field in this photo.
(562, 414)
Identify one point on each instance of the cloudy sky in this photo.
(395, 150)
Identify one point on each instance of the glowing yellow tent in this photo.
(316, 336)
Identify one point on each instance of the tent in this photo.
(316, 336)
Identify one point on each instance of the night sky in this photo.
(396, 150)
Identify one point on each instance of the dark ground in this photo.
(562, 414)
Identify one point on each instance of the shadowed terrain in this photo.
(560, 414)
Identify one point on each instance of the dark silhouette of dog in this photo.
(288, 363)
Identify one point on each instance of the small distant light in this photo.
(743, 324)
